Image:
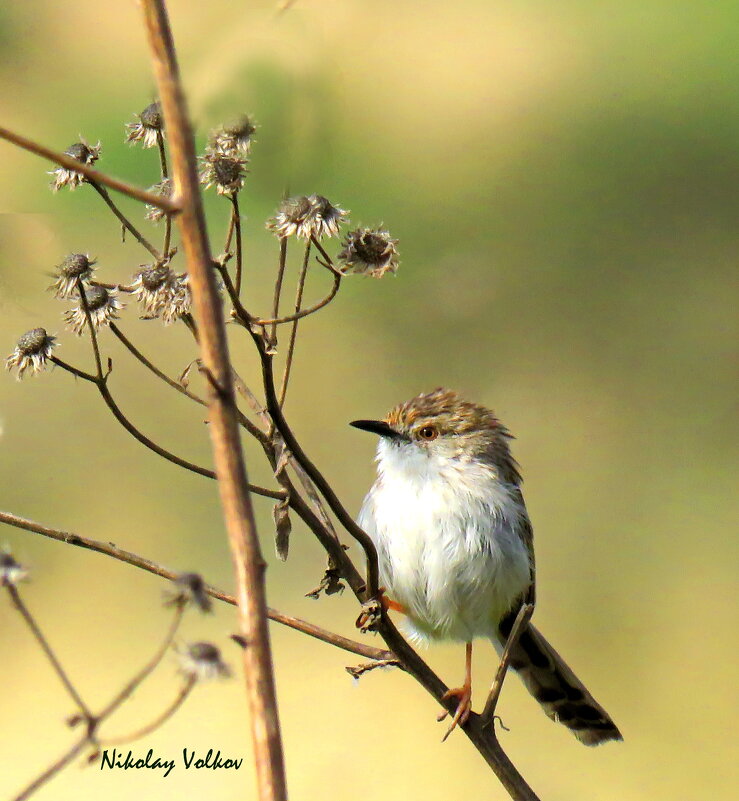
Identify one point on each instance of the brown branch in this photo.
(46, 648)
(63, 160)
(52, 770)
(294, 329)
(275, 321)
(278, 290)
(141, 562)
(239, 244)
(230, 467)
(158, 721)
(124, 221)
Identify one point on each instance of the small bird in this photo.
(455, 547)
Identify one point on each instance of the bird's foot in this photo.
(371, 612)
(464, 707)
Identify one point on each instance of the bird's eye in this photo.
(428, 432)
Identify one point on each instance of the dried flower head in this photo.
(189, 588)
(164, 188)
(162, 292)
(202, 661)
(306, 217)
(32, 352)
(76, 266)
(103, 305)
(235, 138)
(369, 252)
(151, 123)
(83, 152)
(11, 572)
(225, 172)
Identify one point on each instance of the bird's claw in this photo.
(464, 707)
(370, 615)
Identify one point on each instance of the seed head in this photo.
(103, 305)
(151, 123)
(202, 661)
(162, 292)
(235, 138)
(82, 152)
(305, 217)
(163, 189)
(189, 588)
(32, 352)
(369, 252)
(225, 172)
(76, 266)
(11, 572)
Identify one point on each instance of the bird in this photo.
(455, 548)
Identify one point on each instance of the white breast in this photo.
(447, 535)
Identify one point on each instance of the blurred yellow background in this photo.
(562, 178)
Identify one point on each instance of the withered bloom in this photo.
(82, 152)
(224, 172)
(32, 352)
(11, 572)
(202, 661)
(235, 138)
(76, 266)
(189, 588)
(369, 252)
(103, 305)
(305, 217)
(151, 123)
(163, 189)
(162, 292)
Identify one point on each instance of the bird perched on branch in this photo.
(455, 550)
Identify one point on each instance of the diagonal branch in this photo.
(141, 562)
(163, 203)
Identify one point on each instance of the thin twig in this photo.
(239, 245)
(164, 170)
(52, 770)
(141, 562)
(46, 648)
(158, 721)
(306, 312)
(147, 669)
(278, 288)
(238, 512)
(93, 334)
(125, 222)
(294, 329)
(63, 160)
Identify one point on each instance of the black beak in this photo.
(377, 427)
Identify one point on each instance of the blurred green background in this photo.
(562, 177)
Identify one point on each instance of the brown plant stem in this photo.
(141, 562)
(294, 329)
(52, 770)
(63, 160)
(239, 244)
(164, 170)
(158, 721)
(125, 222)
(278, 288)
(239, 516)
(46, 648)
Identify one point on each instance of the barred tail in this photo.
(561, 694)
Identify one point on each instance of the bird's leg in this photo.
(370, 614)
(463, 694)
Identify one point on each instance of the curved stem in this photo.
(125, 222)
(158, 721)
(239, 245)
(164, 169)
(299, 315)
(294, 329)
(278, 289)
